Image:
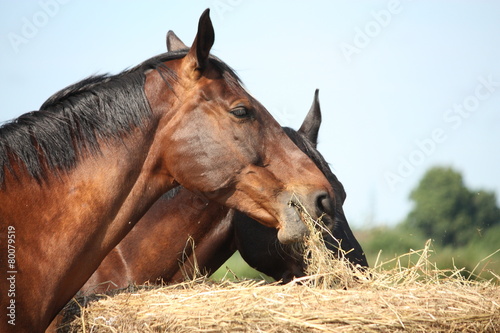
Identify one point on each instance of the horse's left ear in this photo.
(203, 42)
(174, 43)
(310, 126)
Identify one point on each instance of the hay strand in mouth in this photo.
(324, 268)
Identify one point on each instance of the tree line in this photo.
(463, 224)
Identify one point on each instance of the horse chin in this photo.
(293, 229)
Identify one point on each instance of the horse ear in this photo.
(203, 41)
(310, 126)
(174, 43)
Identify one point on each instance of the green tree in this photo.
(447, 211)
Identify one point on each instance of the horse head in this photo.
(258, 245)
(232, 150)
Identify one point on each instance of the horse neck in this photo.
(165, 235)
(90, 208)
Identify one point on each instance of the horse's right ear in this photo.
(203, 42)
(310, 126)
(174, 43)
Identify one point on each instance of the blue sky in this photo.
(404, 85)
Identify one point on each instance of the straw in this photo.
(335, 296)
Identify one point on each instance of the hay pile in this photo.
(254, 307)
(335, 297)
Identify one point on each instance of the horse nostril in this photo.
(324, 204)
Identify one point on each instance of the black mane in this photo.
(71, 123)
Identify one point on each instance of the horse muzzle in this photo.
(299, 207)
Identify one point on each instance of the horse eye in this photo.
(240, 112)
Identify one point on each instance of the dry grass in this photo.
(334, 297)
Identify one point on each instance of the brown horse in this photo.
(78, 174)
(159, 248)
